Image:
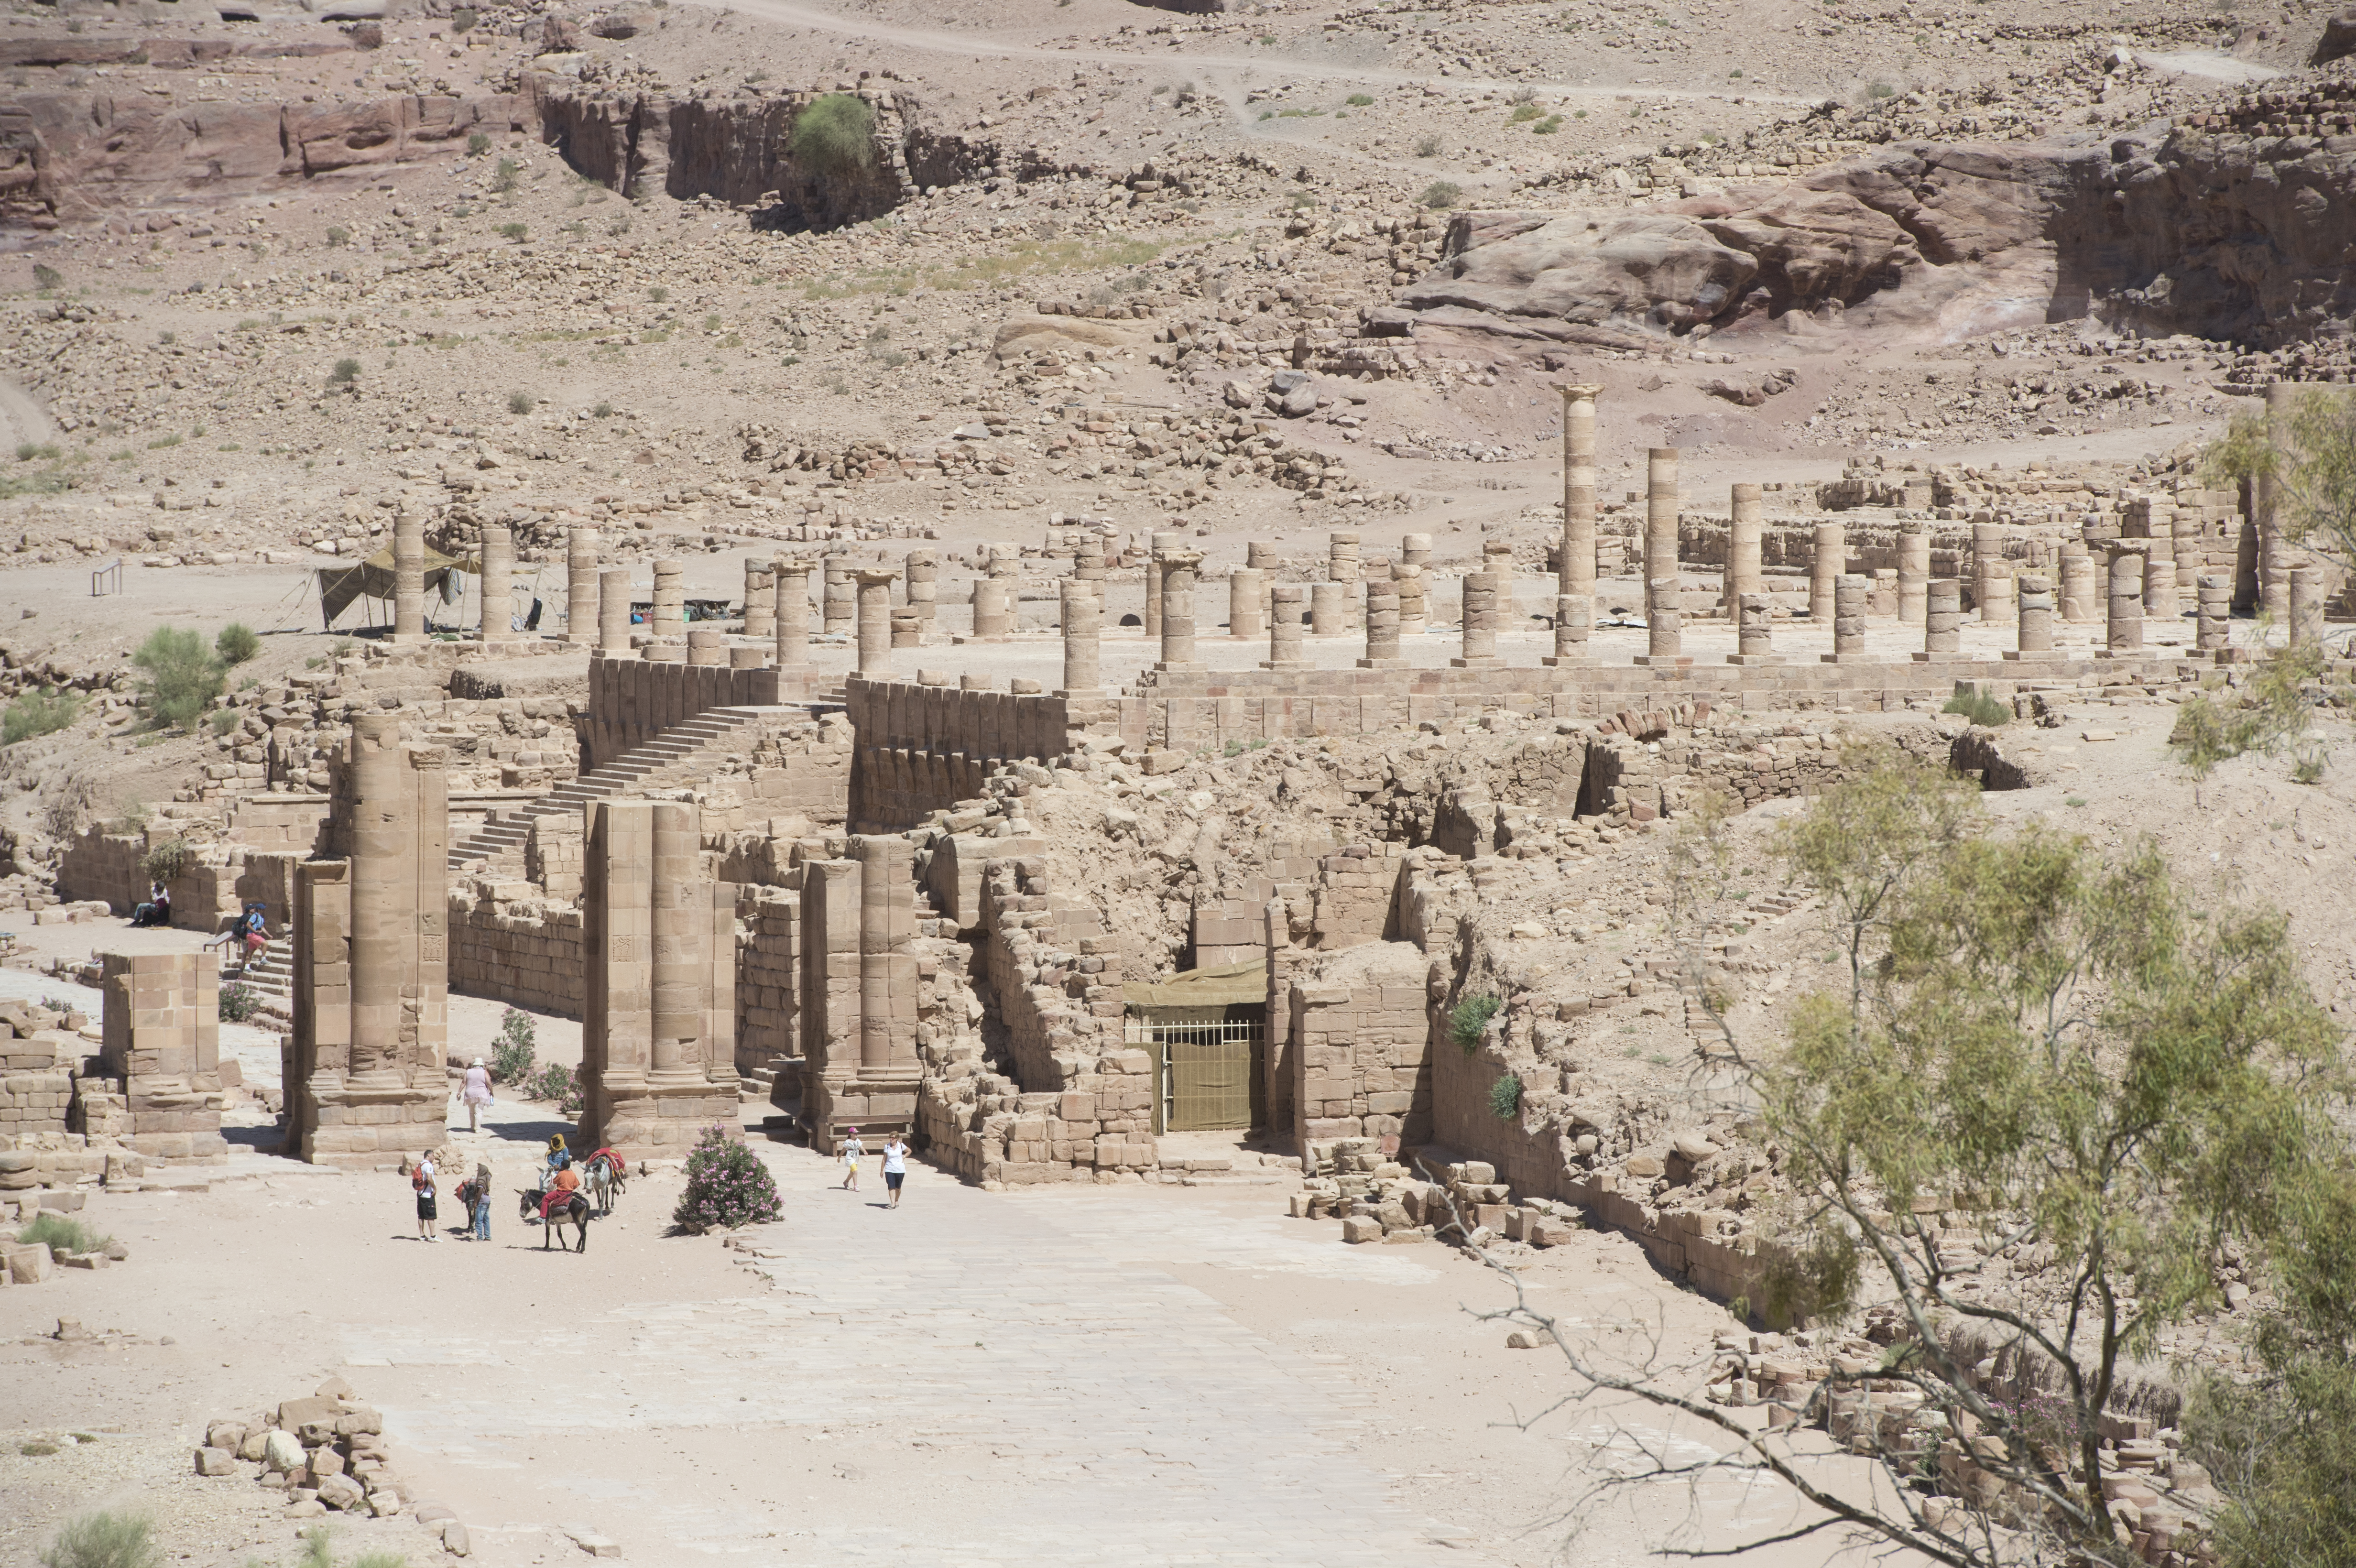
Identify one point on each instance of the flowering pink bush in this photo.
(727, 1186)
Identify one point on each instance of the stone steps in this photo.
(643, 766)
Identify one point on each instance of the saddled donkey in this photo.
(606, 1177)
(556, 1206)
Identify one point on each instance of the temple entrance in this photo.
(1207, 1030)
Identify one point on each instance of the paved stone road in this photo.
(972, 1380)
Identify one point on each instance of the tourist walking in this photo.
(420, 1181)
(476, 1093)
(477, 1196)
(853, 1151)
(896, 1167)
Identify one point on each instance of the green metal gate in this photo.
(1206, 1063)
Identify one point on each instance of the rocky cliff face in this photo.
(2202, 228)
(739, 150)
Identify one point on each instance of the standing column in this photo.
(2160, 581)
(1660, 526)
(2274, 548)
(2245, 568)
(614, 612)
(789, 582)
(496, 622)
(1850, 589)
(2081, 585)
(385, 916)
(1744, 532)
(1942, 617)
(666, 622)
(2186, 542)
(1913, 573)
(1284, 626)
(908, 628)
(707, 645)
(1178, 608)
(681, 940)
(887, 969)
(2308, 588)
(838, 598)
(1245, 586)
(2125, 602)
(2214, 629)
(874, 585)
(1083, 617)
(1663, 636)
(992, 609)
(1341, 569)
(1382, 625)
(1575, 573)
(581, 623)
(1089, 560)
(924, 585)
(1480, 620)
(1161, 539)
(407, 575)
(1825, 568)
(760, 597)
(1987, 560)
(1415, 608)
(2036, 595)
(1754, 637)
(1574, 617)
(1326, 616)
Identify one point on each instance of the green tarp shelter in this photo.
(372, 579)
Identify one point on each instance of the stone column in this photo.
(1178, 567)
(1574, 617)
(789, 582)
(1284, 626)
(1382, 625)
(1089, 560)
(1825, 568)
(2036, 596)
(2245, 568)
(1849, 591)
(874, 601)
(887, 969)
(1245, 586)
(907, 627)
(2309, 586)
(992, 609)
(1987, 562)
(1913, 573)
(2274, 546)
(1342, 568)
(666, 621)
(680, 933)
(924, 585)
(384, 914)
(2186, 541)
(2160, 581)
(1942, 617)
(497, 610)
(1083, 615)
(1660, 519)
(760, 599)
(2081, 584)
(2214, 628)
(1662, 619)
(1327, 618)
(1745, 528)
(2125, 602)
(614, 612)
(582, 623)
(1755, 631)
(1415, 609)
(1884, 601)
(838, 598)
(1575, 573)
(707, 645)
(1161, 539)
(1480, 620)
(407, 575)
(1415, 549)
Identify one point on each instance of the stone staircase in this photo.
(653, 765)
(273, 974)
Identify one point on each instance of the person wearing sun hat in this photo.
(853, 1151)
(476, 1093)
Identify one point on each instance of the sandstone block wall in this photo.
(162, 1052)
(633, 701)
(1360, 1056)
(923, 748)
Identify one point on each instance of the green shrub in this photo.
(1359, 100)
(462, 19)
(1442, 194)
(1980, 709)
(659, 293)
(835, 137)
(1505, 1097)
(1469, 1018)
(63, 1233)
(478, 143)
(505, 178)
(104, 1541)
(1427, 147)
(337, 235)
(239, 1002)
(183, 677)
(511, 1053)
(521, 402)
(727, 1186)
(1547, 126)
(515, 231)
(346, 372)
(1880, 90)
(2272, 710)
(1523, 111)
(552, 1081)
(167, 861)
(236, 643)
(45, 277)
(42, 712)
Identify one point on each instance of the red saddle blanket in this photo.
(608, 1155)
(554, 1199)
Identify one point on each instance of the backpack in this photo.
(417, 1182)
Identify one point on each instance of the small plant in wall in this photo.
(1469, 1018)
(1505, 1097)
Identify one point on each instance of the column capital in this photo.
(874, 576)
(1572, 394)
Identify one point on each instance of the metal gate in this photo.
(1205, 1067)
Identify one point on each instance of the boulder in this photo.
(228, 1435)
(618, 25)
(558, 35)
(454, 1540)
(1362, 1228)
(31, 1265)
(325, 1462)
(281, 1454)
(1300, 401)
(1592, 270)
(2338, 36)
(341, 1492)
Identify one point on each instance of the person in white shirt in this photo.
(853, 1151)
(895, 1167)
(420, 1181)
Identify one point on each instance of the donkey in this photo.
(605, 1176)
(556, 1208)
